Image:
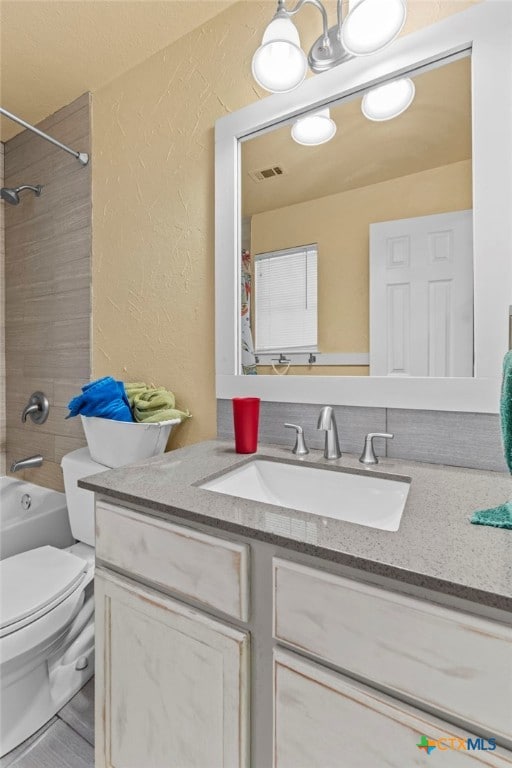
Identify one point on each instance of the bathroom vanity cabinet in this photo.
(218, 652)
(172, 681)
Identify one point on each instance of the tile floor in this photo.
(67, 741)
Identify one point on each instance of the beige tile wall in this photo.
(2, 323)
(48, 288)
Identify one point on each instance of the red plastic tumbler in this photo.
(246, 416)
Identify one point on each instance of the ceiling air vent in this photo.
(262, 174)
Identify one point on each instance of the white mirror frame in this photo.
(486, 29)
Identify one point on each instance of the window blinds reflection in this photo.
(286, 300)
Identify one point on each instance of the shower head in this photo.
(11, 195)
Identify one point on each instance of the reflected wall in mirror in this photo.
(357, 253)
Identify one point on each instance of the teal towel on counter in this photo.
(506, 409)
(501, 517)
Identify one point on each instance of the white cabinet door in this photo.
(421, 296)
(172, 683)
(325, 720)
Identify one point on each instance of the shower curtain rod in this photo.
(82, 157)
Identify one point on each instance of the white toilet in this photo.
(47, 618)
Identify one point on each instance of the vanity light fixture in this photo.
(371, 25)
(313, 129)
(280, 64)
(389, 100)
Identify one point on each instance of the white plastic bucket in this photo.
(116, 443)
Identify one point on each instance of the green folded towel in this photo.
(501, 517)
(137, 388)
(152, 404)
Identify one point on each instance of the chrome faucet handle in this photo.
(28, 410)
(300, 448)
(37, 408)
(368, 455)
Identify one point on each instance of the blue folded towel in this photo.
(105, 398)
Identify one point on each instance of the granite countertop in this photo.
(435, 547)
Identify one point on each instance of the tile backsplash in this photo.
(439, 437)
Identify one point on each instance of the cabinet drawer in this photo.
(456, 662)
(193, 564)
(324, 720)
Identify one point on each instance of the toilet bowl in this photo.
(47, 618)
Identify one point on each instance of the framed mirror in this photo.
(374, 268)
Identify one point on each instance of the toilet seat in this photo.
(33, 583)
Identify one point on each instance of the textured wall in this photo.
(54, 50)
(48, 286)
(153, 262)
(2, 323)
(340, 224)
(153, 202)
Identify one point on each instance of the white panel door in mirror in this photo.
(421, 296)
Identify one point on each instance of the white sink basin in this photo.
(357, 498)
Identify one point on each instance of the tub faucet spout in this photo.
(30, 463)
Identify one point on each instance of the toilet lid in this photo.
(33, 580)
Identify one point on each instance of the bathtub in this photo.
(45, 521)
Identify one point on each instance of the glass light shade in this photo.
(281, 29)
(388, 100)
(371, 25)
(314, 129)
(280, 64)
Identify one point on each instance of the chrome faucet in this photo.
(31, 463)
(327, 423)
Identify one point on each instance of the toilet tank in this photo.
(80, 502)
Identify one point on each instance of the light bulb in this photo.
(314, 129)
(371, 25)
(388, 100)
(280, 64)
